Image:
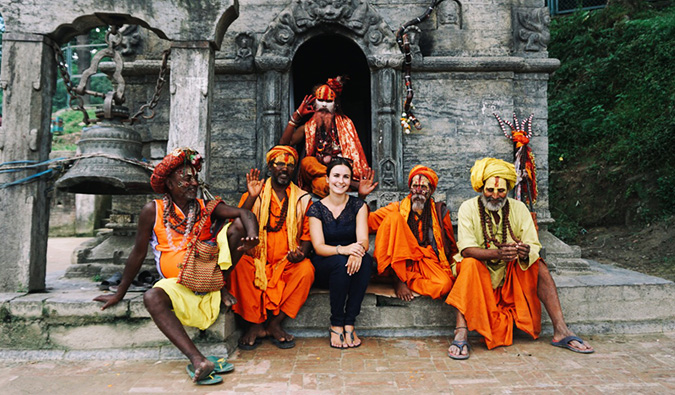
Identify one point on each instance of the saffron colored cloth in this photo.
(199, 311)
(287, 284)
(312, 176)
(350, 145)
(426, 172)
(492, 312)
(167, 258)
(470, 234)
(425, 270)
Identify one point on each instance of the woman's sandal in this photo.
(342, 338)
(351, 335)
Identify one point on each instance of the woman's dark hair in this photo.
(339, 160)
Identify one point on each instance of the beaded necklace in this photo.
(173, 223)
(281, 219)
(489, 233)
(414, 224)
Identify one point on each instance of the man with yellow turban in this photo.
(500, 277)
(273, 280)
(415, 240)
(169, 225)
(327, 134)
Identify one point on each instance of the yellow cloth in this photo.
(200, 311)
(261, 209)
(470, 234)
(224, 255)
(491, 167)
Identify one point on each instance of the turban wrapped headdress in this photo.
(425, 171)
(278, 150)
(491, 167)
(178, 157)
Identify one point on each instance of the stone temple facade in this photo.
(239, 69)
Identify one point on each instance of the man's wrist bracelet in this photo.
(292, 122)
(336, 249)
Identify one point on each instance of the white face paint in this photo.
(325, 105)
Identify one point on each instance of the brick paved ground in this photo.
(621, 364)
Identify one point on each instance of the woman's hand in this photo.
(353, 264)
(253, 183)
(355, 249)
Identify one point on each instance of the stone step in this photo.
(605, 299)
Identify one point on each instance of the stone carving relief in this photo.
(449, 14)
(357, 16)
(531, 28)
(244, 43)
(388, 174)
(131, 39)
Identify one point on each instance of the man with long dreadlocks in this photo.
(273, 280)
(168, 225)
(415, 240)
(327, 134)
(500, 277)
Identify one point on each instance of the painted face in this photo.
(282, 168)
(494, 193)
(420, 189)
(324, 105)
(183, 182)
(339, 179)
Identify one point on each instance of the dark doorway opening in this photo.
(327, 56)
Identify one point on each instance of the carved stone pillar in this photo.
(28, 81)
(191, 87)
(386, 136)
(271, 103)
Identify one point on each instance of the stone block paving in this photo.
(635, 364)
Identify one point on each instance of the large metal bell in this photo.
(104, 173)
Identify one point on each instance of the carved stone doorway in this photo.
(327, 56)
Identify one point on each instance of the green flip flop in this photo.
(208, 380)
(222, 366)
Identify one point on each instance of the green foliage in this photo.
(72, 129)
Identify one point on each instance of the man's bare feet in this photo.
(571, 343)
(228, 299)
(402, 291)
(459, 349)
(203, 367)
(351, 339)
(337, 337)
(251, 338)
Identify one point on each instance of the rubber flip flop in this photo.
(113, 280)
(460, 344)
(249, 347)
(565, 343)
(221, 365)
(284, 345)
(208, 380)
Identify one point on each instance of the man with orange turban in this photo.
(273, 280)
(169, 225)
(499, 276)
(415, 240)
(327, 134)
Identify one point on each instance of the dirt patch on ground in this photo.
(648, 250)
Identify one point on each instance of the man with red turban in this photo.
(415, 240)
(273, 280)
(168, 225)
(327, 134)
(500, 277)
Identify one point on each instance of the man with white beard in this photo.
(499, 276)
(327, 134)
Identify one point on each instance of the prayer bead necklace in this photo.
(414, 224)
(281, 219)
(173, 223)
(489, 234)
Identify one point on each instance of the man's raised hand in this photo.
(307, 106)
(253, 183)
(366, 184)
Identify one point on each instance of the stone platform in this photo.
(64, 322)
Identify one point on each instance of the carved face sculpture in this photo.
(448, 13)
(331, 10)
(494, 193)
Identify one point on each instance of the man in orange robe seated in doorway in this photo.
(327, 134)
(415, 239)
(276, 276)
(500, 277)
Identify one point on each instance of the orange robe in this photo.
(421, 268)
(288, 284)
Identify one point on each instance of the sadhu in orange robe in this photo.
(276, 284)
(425, 270)
(494, 295)
(312, 172)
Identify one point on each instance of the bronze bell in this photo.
(111, 169)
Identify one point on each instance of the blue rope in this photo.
(26, 180)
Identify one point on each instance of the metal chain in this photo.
(161, 80)
(61, 64)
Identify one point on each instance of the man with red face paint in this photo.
(327, 134)
(500, 277)
(415, 241)
(272, 281)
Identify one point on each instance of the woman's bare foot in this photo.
(337, 337)
(351, 338)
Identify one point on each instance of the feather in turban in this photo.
(178, 157)
(425, 171)
(491, 167)
(278, 150)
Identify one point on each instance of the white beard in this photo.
(494, 205)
